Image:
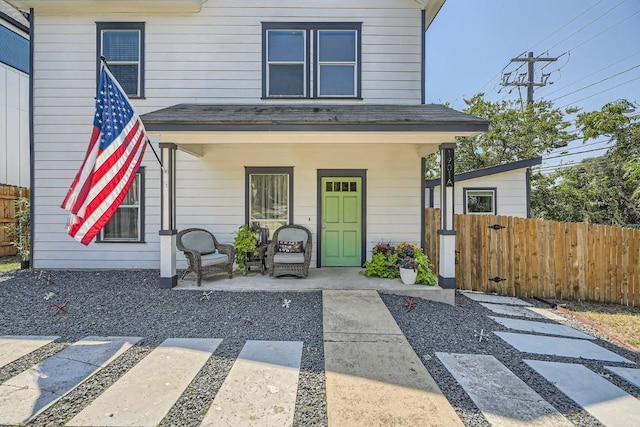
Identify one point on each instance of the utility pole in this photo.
(529, 75)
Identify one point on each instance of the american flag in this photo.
(115, 151)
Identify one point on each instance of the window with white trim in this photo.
(311, 60)
(480, 201)
(122, 45)
(126, 224)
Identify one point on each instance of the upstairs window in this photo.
(311, 60)
(122, 45)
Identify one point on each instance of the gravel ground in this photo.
(129, 303)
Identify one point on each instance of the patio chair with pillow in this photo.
(204, 253)
(289, 253)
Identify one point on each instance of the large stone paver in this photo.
(29, 393)
(261, 388)
(541, 328)
(495, 299)
(611, 405)
(373, 376)
(503, 398)
(13, 347)
(510, 310)
(556, 346)
(146, 393)
(631, 375)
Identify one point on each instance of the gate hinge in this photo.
(497, 226)
(497, 279)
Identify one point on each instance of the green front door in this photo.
(341, 221)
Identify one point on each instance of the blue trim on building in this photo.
(14, 50)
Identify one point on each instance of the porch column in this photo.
(168, 275)
(447, 267)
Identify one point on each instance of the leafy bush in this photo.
(245, 245)
(384, 262)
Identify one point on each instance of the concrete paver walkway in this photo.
(504, 399)
(611, 405)
(144, 395)
(27, 394)
(15, 346)
(374, 378)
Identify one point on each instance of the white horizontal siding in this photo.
(210, 193)
(14, 127)
(215, 56)
(511, 189)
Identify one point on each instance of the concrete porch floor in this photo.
(319, 279)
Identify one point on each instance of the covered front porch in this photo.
(383, 145)
(319, 279)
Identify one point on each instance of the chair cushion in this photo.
(200, 241)
(293, 235)
(214, 259)
(289, 247)
(288, 258)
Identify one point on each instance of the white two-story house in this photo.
(267, 112)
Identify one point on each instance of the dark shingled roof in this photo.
(478, 173)
(312, 117)
(14, 16)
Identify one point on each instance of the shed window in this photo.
(480, 201)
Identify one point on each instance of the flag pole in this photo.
(106, 64)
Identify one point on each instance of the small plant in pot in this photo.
(245, 246)
(414, 265)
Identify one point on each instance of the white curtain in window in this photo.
(269, 197)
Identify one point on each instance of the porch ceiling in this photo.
(193, 125)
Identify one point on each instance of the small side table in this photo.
(257, 261)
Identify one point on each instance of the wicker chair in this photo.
(204, 253)
(281, 263)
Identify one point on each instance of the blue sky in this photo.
(471, 42)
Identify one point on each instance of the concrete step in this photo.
(13, 347)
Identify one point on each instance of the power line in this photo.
(585, 26)
(604, 31)
(596, 83)
(530, 61)
(601, 92)
(579, 152)
(565, 25)
(594, 73)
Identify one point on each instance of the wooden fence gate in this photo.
(534, 258)
(8, 195)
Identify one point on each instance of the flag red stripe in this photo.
(108, 199)
(80, 189)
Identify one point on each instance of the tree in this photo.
(601, 190)
(517, 131)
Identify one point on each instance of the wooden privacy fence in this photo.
(534, 258)
(8, 195)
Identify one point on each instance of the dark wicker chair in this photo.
(204, 253)
(286, 263)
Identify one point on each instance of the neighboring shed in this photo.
(498, 190)
(14, 97)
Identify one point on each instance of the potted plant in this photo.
(384, 262)
(413, 265)
(20, 231)
(245, 246)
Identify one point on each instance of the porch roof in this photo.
(313, 118)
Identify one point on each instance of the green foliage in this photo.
(20, 231)
(599, 190)
(386, 259)
(518, 131)
(245, 244)
(382, 265)
(425, 275)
